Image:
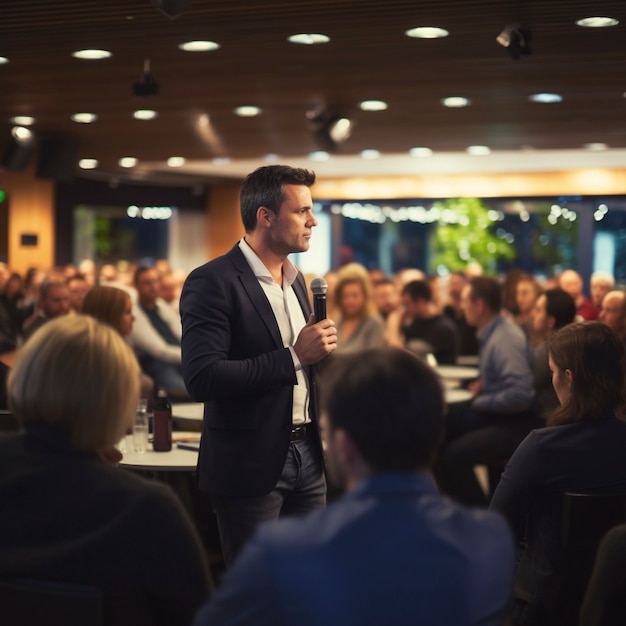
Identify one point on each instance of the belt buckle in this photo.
(298, 433)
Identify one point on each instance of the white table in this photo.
(456, 395)
(457, 372)
(176, 460)
(188, 411)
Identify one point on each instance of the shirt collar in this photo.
(290, 271)
(486, 331)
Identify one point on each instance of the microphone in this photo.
(319, 287)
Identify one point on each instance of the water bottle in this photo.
(162, 422)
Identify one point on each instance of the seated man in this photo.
(156, 334)
(613, 312)
(53, 301)
(503, 410)
(391, 550)
(428, 325)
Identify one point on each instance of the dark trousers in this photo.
(300, 489)
(478, 439)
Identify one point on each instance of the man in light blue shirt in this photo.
(503, 410)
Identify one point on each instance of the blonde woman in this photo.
(359, 326)
(74, 388)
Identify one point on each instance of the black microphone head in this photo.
(319, 287)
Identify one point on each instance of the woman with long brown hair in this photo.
(581, 450)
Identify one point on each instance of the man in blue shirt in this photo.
(390, 551)
(502, 412)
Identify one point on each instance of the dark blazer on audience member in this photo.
(68, 516)
(235, 361)
(585, 457)
(392, 551)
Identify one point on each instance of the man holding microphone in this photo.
(249, 341)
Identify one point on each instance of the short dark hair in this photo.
(418, 290)
(595, 356)
(264, 187)
(488, 290)
(561, 306)
(390, 404)
(142, 269)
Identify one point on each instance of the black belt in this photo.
(300, 432)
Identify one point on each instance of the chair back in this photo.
(26, 601)
(586, 519)
(8, 422)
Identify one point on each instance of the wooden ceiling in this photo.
(368, 57)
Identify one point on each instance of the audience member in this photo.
(359, 325)
(87, 269)
(53, 301)
(613, 312)
(78, 288)
(68, 516)
(571, 282)
(580, 450)
(114, 307)
(433, 330)
(391, 550)
(600, 284)
(604, 603)
(501, 413)
(468, 343)
(554, 309)
(156, 334)
(385, 297)
(527, 291)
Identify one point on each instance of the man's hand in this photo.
(315, 341)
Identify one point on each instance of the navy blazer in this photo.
(234, 360)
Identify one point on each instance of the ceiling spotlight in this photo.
(331, 128)
(146, 85)
(516, 40)
(19, 149)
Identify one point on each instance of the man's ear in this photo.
(551, 321)
(264, 216)
(345, 448)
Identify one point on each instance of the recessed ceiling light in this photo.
(84, 118)
(221, 161)
(127, 162)
(546, 98)
(420, 152)
(456, 102)
(176, 161)
(144, 114)
(319, 155)
(91, 55)
(478, 150)
(3, 60)
(199, 46)
(23, 120)
(370, 154)
(595, 146)
(88, 164)
(373, 105)
(247, 111)
(271, 157)
(308, 39)
(597, 22)
(427, 32)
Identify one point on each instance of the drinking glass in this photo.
(140, 427)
